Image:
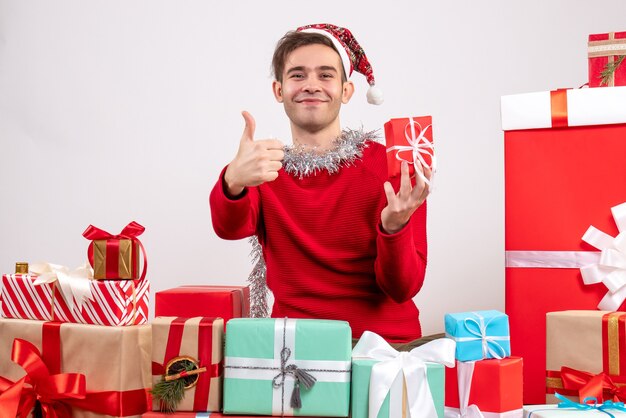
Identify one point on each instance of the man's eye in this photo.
(327, 75)
(297, 76)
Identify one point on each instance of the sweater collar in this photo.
(304, 161)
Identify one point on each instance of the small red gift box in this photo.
(410, 140)
(606, 50)
(580, 147)
(225, 302)
(495, 386)
(116, 256)
(199, 340)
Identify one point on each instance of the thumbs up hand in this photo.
(256, 162)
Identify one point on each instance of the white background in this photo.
(112, 111)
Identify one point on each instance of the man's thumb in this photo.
(248, 130)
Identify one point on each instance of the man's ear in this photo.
(277, 88)
(348, 91)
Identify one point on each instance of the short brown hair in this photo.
(294, 40)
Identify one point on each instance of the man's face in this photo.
(312, 90)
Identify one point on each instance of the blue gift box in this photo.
(479, 335)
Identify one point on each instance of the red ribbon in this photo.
(59, 392)
(558, 108)
(130, 231)
(205, 344)
(53, 391)
(599, 386)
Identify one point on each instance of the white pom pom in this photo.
(375, 95)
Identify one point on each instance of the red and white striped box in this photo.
(113, 302)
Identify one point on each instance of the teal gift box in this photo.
(479, 335)
(393, 404)
(389, 384)
(269, 365)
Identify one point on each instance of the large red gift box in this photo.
(408, 139)
(559, 180)
(496, 387)
(83, 371)
(192, 339)
(113, 302)
(225, 302)
(607, 49)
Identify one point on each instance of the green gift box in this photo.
(271, 364)
(391, 384)
(394, 404)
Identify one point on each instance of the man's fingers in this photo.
(248, 130)
(405, 180)
(275, 154)
(389, 192)
(271, 144)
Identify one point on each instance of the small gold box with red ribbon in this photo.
(586, 355)
(116, 256)
(179, 342)
(74, 370)
(411, 140)
(607, 62)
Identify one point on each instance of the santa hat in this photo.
(352, 55)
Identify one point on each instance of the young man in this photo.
(339, 240)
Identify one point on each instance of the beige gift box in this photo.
(201, 339)
(589, 341)
(111, 358)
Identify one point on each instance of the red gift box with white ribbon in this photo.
(564, 171)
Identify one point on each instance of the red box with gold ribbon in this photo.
(116, 256)
(411, 140)
(564, 171)
(586, 355)
(82, 371)
(494, 386)
(224, 302)
(190, 344)
(607, 52)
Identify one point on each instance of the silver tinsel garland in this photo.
(303, 161)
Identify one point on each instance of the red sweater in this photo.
(327, 256)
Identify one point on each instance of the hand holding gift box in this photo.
(410, 140)
(116, 256)
(384, 380)
(479, 335)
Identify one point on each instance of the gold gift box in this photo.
(128, 259)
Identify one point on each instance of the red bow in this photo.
(590, 385)
(52, 391)
(130, 231)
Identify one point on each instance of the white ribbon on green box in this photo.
(267, 361)
(386, 372)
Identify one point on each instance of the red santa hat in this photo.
(352, 55)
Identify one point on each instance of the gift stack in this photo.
(187, 347)
(564, 171)
(389, 384)
(74, 346)
(486, 379)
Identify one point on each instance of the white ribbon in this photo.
(464, 372)
(481, 334)
(75, 285)
(611, 268)
(419, 145)
(411, 364)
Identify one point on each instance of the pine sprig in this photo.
(170, 393)
(609, 70)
